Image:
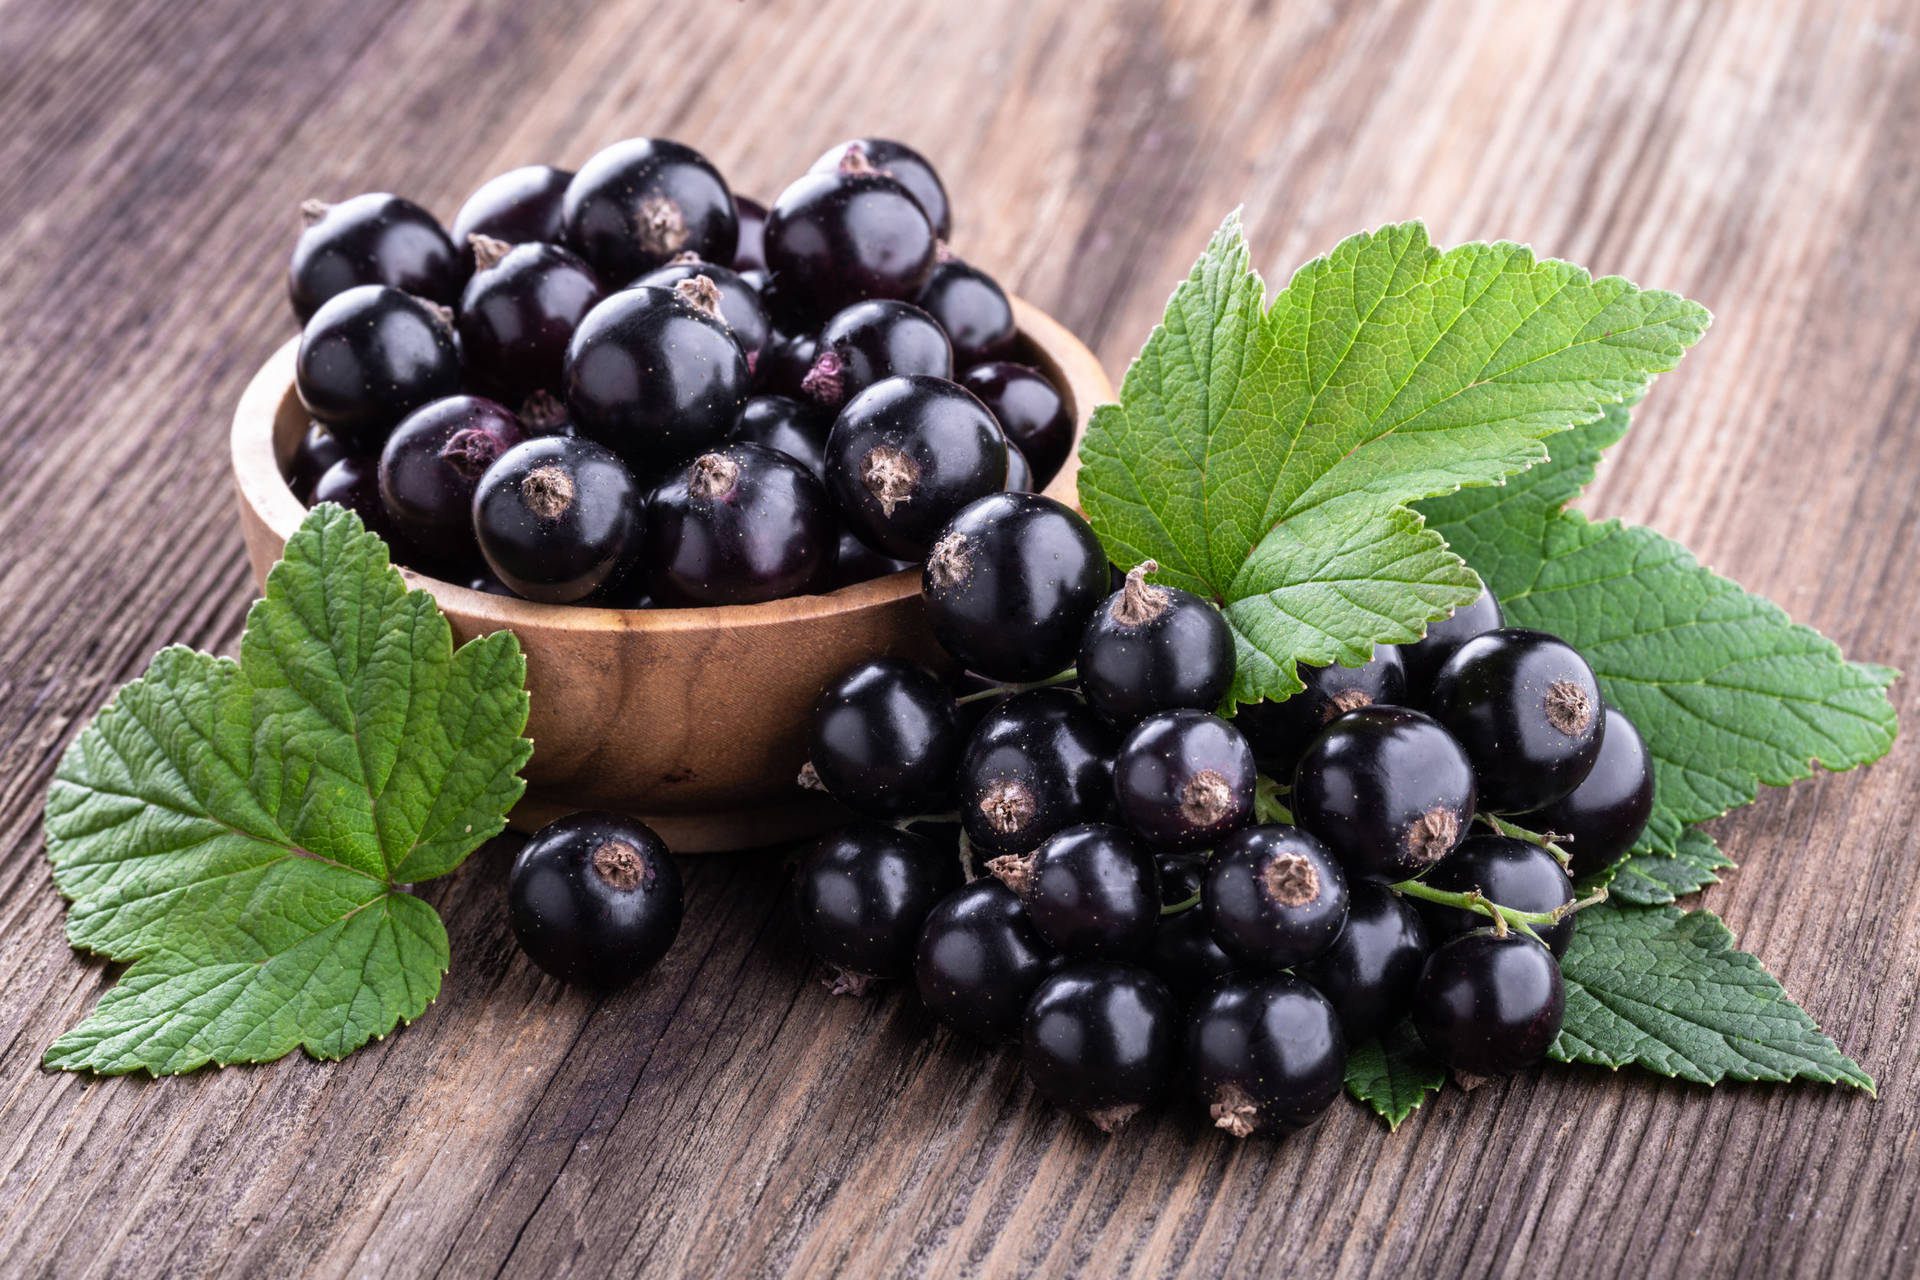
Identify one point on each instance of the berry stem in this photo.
(1548, 840)
(1174, 909)
(1267, 805)
(1071, 673)
(912, 818)
(1503, 918)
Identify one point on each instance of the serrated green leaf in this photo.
(1649, 878)
(1728, 693)
(1263, 455)
(1667, 991)
(1393, 1073)
(240, 830)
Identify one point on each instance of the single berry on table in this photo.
(862, 894)
(904, 165)
(1603, 816)
(316, 450)
(431, 465)
(374, 239)
(1184, 779)
(845, 234)
(1090, 890)
(1513, 873)
(1038, 762)
(1388, 790)
(1274, 897)
(518, 314)
(796, 429)
(740, 306)
(868, 341)
(559, 518)
(370, 356)
(1489, 1004)
(1151, 648)
(1265, 1052)
(1029, 408)
(595, 898)
(1010, 584)
(972, 308)
(638, 203)
(1101, 1039)
(885, 739)
(906, 455)
(750, 250)
(1526, 707)
(1369, 972)
(1424, 657)
(519, 206)
(741, 524)
(979, 960)
(1280, 731)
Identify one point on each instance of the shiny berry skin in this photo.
(1185, 956)
(354, 483)
(1274, 897)
(518, 314)
(858, 562)
(784, 365)
(1029, 408)
(905, 455)
(1265, 1052)
(740, 524)
(1605, 814)
(1181, 875)
(1425, 656)
(637, 203)
(904, 165)
(1011, 583)
(863, 893)
(1513, 873)
(316, 450)
(1101, 1039)
(1388, 790)
(1019, 471)
(1091, 891)
(431, 465)
(846, 234)
(595, 898)
(1280, 731)
(796, 429)
(1489, 1005)
(370, 356)
(979, 960)
(371, 239)
(519, 206)
(1369, 971)
(1151, 648)
(868, 341)
(972, 308)
(740, 306)
(885, 739)
(750, 249)
(655, 375)
(1039, 762)
(1184, 779)
(559, 518)
(1526, 707)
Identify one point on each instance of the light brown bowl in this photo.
(692, 719)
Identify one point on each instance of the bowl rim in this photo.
(263, 488)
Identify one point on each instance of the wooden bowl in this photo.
(692, 719)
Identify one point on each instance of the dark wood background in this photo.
(727, 1117)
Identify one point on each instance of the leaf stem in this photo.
(1548, 840)
(999, 688)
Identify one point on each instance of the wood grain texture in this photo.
(727, 1117)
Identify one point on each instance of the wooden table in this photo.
(728, 1117)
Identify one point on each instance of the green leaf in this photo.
(1666, 991)
(243, 831)
(1648, 879)
(1727, 692)
(1264, 455)
(1393, 1073)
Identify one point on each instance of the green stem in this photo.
(1545, 839)
(1176, 908)
(1503, 918)
(1071, 673)
(1267, 805)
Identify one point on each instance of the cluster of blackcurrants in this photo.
(629, 387)
(1156, 907)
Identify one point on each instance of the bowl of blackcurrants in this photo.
(691, 450)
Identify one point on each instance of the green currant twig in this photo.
(1504, 918)
(1548, 840)
(1175, 908)
(1071, 673)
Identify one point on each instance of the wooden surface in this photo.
(727, 1117)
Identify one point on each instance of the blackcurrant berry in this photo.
(637, 203)
(1019, 471)
(1181, 875)
(655, 375)
(1280, 731)
(904, 165)
(1512, 873)
(972, 308)
(1274, 897)
(979, 960)
(595, 898)
(785, 365)
(370, 356)
(885, 739)
(1039, 762)
(868, 341)
(750, 250)
(1101, 1039)
(795, 429)
(740, 524)
(1029, 408)
(740, 306)
(1090, 891)
(1603, 816)
(519, 206)
(1150, 648)
(1186, 957)
(1265, 1051)
(1425, 656)
(316, 450)
(1011, 583)
(858, 562)
(862, 894)
(354, 483)
(1369, 972)
(559, 518)
(431, 465)
(371, 239)
(519, 313)
(1527, 709)
(1488, 1004)
(1389, 791)
(1183, 779)
(848, 233)
(486, 580)
(905, 455)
